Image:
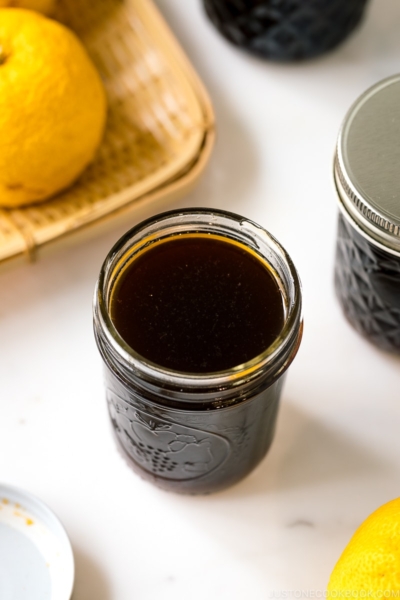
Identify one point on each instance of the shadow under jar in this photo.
(197, 315)
(367, 177)
(285, 30)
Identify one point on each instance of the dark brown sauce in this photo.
(197, 304)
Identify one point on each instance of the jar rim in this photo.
(288, 339)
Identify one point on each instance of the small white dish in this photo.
(36, 559)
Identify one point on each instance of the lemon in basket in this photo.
(44, 6)
(370, 565)
(52, 107)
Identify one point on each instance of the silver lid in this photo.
(367, 163)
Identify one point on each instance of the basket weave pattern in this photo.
(159, 123)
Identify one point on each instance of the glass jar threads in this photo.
(182, 424)
(285, 30)
(367, 169)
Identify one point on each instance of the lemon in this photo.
(370, 565)
(52, 107)
(44, 6)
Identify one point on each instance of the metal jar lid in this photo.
(36, 559)
(367, 164)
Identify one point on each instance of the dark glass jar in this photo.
(195, 433)
(285, 30)
(367, 168)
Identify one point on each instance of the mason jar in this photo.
(367, 177)
(195, 432)
(285, 30)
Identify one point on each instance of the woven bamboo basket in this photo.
(159, 133)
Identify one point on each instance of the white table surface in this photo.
(336, 455)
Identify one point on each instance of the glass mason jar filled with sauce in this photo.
(285, 30)
(197, 315)
(367, 177)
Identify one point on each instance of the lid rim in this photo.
(378, 237)
(31, 505)
(376, 222)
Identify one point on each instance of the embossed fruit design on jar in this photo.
(197, 315)
(170, 450)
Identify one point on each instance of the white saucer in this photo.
(36, 560)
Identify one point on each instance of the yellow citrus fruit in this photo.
(370, 565)
(52, 107)
(44, 6)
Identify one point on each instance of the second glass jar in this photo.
(367, 167)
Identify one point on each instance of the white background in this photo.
(336, 456)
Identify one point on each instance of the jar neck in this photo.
(213, 390)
